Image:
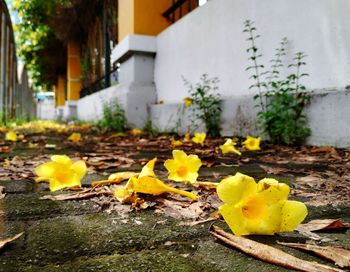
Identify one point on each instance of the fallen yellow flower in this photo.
(154, 186)
(252, 143)
(148, 169)
(188, 101)
(229, 147)
(62, 172)
(263, 208)
(187, 138)
(11, 136)
(75, 137)
(115, 178)
(136, 132)
(147, 183)
(199, 138)
(183, 167)
(175, 143)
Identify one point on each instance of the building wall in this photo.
(210, 40)
(141, 17)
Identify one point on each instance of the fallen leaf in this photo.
(2, 192)
(340, 256)
(3, 242)
(323, 224)
(268, 253)
(81, 195)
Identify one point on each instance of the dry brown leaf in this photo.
(81, 195)
(3, 242)
(2, 192)
(323, 224)
(339, 255)
(269, 253)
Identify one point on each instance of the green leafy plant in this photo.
(281, 101)
(206, 103)
(150, 128)
(113, 117)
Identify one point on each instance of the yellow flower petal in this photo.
(233, 189)
(229, 147)
(46, 170)
(61, 172)
(175, 143)
(75, 137)
(147, 170)
(62, 159)
(252, 143)
(199, 138)
(11, 136)
(183, 167)
(187, 138)
(188, 101)
(79, 167)
(293, 213)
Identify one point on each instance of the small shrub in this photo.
(150, 128)
(281, 101)
(113, 117)
(206, 103)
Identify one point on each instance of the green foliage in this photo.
(206, 103)
(35, 37)
(113, 117)
(281, 101)
(150, 128)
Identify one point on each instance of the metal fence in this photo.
(16, 98)
(180, 8)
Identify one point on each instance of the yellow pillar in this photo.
(59, 92)
(73, 72)
(141, 17)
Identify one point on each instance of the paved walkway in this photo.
(89, 235)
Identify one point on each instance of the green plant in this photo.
(281, 101)
(206, 103)
(150, 128)
(113, 117)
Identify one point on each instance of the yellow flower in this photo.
(183, 167)
(75, 137)
(175, 143)
(252, 143)
(62, 172)
(199, 138)
(147, 183)
(263, 208)
(136, 132)
(188, 101)
(229, 147)
(11, 136)
(187, 138)
(147, 170)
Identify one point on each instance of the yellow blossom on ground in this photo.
(147, 170)
(188, 101)
(147, 183)
(136, 132)
(3, 129)
(263, 208)
(183, 167)
(11, 136)
(199, 138)
(75, 137)
(187, 138)
(229, 147)
(252, 143)
(175, 143)
(62, 172)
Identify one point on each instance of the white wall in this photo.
(210, 40)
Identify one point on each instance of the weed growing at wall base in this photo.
(206, 103)
(281, 101)
(113, 117)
